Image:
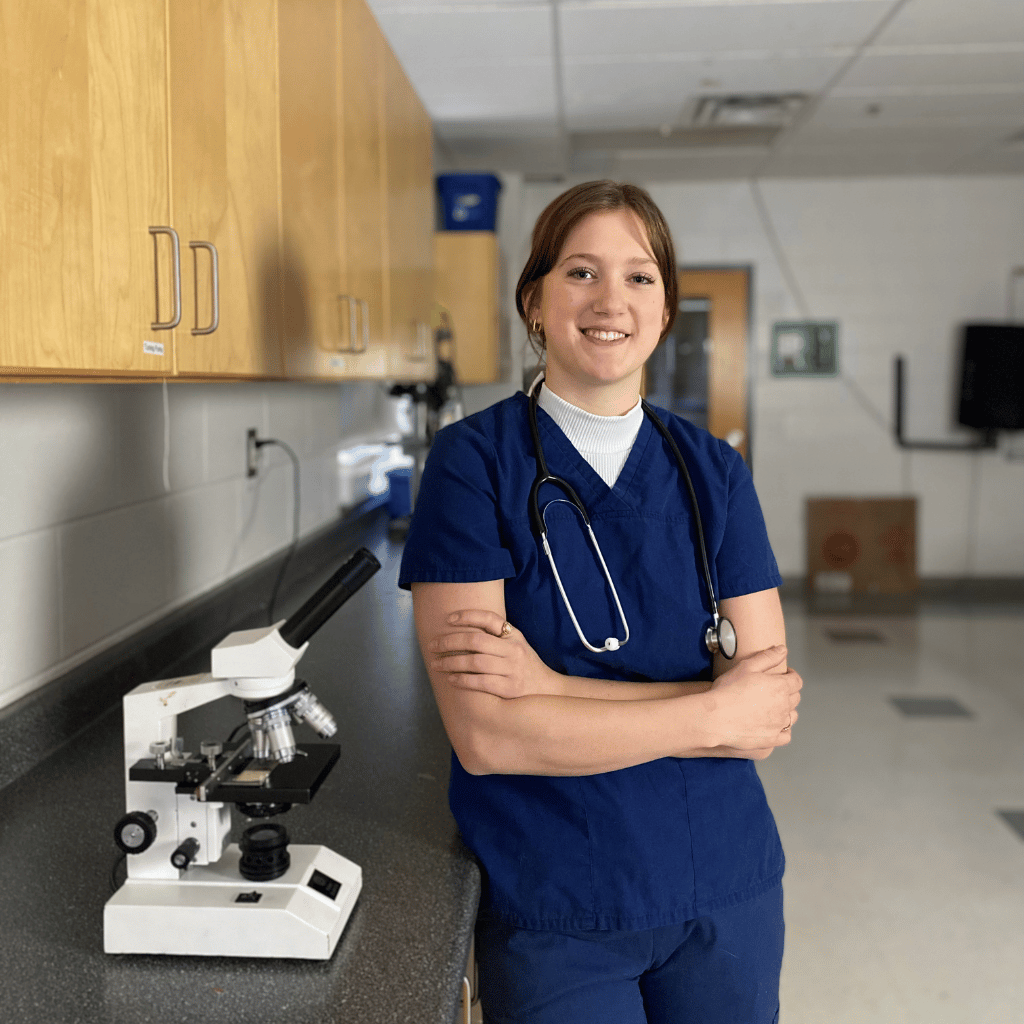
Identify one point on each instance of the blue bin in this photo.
(400, 492)
(470, 201)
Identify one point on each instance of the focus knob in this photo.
(185, 854)
(136, 831)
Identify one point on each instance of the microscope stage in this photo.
(214, 911)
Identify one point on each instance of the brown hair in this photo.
(564, 213)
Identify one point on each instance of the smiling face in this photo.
(602, 311)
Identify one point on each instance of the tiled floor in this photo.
(905, 877)
(904, 885)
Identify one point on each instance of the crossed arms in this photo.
(506, 712)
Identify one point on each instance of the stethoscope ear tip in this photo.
(611, 644)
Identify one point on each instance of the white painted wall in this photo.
(901, 263)
(92, 545)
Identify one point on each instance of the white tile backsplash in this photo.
(58, 454)
(92, 546)
(203, 526)
(116, 570)
(29, 607)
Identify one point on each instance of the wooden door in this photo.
(312, 320)
(225, 184)
(410, 220)
(83, 176)
(700, 370)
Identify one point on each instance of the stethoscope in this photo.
(720, 636)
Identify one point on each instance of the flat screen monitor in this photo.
(992, 382)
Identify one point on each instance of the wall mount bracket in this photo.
(986, 441)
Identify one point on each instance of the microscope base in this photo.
(214, 911)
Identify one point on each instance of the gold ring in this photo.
(506, 628)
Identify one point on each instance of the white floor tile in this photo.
(904, 889)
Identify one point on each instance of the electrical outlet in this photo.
(252, 466)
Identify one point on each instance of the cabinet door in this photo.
(83, 176)
(410, 219)
(224, 184)
(466, 285)
(312, 308)
(364, 348)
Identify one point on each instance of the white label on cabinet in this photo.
(153, 348)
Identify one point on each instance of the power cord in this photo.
(114, 884)
(295, 521)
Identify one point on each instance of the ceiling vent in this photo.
(762, 110)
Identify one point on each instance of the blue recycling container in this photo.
(469, 201)
(400, 492)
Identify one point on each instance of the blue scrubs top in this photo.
(642, 847)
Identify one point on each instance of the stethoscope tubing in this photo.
(544, 475)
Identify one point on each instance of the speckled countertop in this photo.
(402, 955)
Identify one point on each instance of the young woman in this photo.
(603, 744)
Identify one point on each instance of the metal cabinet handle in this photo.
(159, 325)
(365, 306)
(350, 347)
(215, 284)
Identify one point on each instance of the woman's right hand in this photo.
(753, 703)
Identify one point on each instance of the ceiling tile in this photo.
(937, 69)
(481, 94)
(956, 21)
(649, 93)
(840, 104)
(474, 36)
(590, 30)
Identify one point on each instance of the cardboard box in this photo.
(862, 545)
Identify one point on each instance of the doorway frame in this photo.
(749, 347)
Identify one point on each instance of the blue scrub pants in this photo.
(719, 969)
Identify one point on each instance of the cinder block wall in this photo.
(93, 546)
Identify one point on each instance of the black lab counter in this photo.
(402, 956)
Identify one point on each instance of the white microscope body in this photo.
(188, 891)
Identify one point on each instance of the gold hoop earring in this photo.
(535, 326)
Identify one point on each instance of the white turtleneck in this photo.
(604, 441)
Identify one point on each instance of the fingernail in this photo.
(454, 617)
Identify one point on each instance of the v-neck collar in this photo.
(593, 491)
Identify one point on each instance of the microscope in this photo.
(188, 891)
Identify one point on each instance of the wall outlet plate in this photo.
(252, 465)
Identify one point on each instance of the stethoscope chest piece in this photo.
(721, 638)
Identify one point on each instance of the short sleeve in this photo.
(745, 562)
(455, 534)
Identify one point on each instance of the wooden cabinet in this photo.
(466, 270)
(363, 191)
(83, 176)
(311, 238)
(225, 184)
(408, 143)
(229, 188)
(334, 190)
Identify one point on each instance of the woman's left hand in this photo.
(489, 654)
